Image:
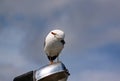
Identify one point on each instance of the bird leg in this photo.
(51, 62)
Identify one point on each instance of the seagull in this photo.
(53, 44)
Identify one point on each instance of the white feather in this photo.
(53, 46)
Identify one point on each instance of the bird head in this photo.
(59, 34)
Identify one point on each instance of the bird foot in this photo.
(51, 62)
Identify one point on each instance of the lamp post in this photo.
(25, 77)
(52, 72)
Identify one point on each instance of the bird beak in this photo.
(53, 33)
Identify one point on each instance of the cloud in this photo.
(98, 76)
(13, 60)
(93, 75)
(42, 8)
(88, 25)
(93, 23)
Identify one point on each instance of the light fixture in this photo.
(52, 72)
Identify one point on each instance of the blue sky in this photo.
(92, 28)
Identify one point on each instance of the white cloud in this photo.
(90, 75)
(87, 24)
(32, 7)
(99, 76)
(12, 35)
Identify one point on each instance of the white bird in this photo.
(54, 43)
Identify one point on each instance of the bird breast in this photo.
(53, 47)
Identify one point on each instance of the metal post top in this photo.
(52, 72)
